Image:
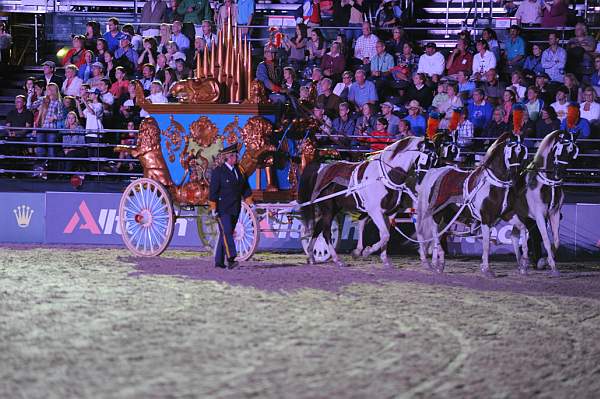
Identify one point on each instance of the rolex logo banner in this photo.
(22, 217)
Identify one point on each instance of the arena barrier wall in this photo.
(93, 219)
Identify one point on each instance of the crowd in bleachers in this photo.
(368, 80)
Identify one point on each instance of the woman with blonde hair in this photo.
(50, 116)
(73, 135)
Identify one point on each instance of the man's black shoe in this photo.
(233, 264)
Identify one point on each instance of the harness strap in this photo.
(553, 184)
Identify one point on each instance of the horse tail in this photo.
(305, 191)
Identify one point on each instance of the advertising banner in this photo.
(22, 217)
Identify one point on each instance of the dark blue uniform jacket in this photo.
(227, 190)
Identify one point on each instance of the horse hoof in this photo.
(541, 264)
(523, 271)
(339, 263)
(366, 252)
(388, 265)
(488, 273)
(356, 254)
(311, 261)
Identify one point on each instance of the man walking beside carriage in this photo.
(228, 186)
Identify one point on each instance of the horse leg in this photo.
(519, 232)
(317, 228)
(541, 224)
(554, 224)
(327, 219)
(384, 236)
(360, 245)
(420, 229)
(485, 265)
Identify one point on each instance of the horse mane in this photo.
(402, 144)
(494, 148)
(543, 149)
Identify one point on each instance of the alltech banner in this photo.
(22, 217)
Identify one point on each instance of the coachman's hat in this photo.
(232, 149)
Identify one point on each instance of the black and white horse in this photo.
(449, 194)
(539, 195)
(373, 188)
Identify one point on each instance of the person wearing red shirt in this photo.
(75, 55)
(380, 138)
(460, 59)
(119, 87)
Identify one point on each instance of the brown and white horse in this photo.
(373, 188)
(538, 197)
(449, 194)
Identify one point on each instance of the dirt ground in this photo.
(97, 323)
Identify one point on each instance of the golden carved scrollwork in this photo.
(197, 91)
(256, 134)
(257, 94)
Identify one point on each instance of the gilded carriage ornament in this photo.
(197, 91)
(232, 132)
(149, 153)
(257, 94)
(174, 134)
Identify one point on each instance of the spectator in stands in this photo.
(589, 108)
(364, 49)
(409, 59)
(171, 14)
(85, 71)
(554, 58)
(245, 12)
(194, 12)
(419, 91)
(356, 20)
(316, 77)
(72, 83)
(93, 111)
(28, 86)
(329, 100)
(148, 55)
(362, 91)
(380, 137)
(344, 125)
(546, 123)
(101, 49)
(76, 54)
(509, 98)
(479, 111)
(465, 85)
(417, 121)
(515, 48)
(466, 129)
(226, 10)
(20, 116)
(207, 33)
(497, 126)
(50, 117)
(97, 75)
(137, 41)
(5, 44)
(333, 63)
(156, 93)
(173, 54)
(529, 13)
(452, 102)
(404, 129)
(533, 63)
(169, 79)
(387, 109)
(49, 74)
(161, 64)
(561, 103)
(395, 46)
(92, 34)
(268, 72)
(489, 35)
(148, 76)
(182, 72)
(109, 66)
(484, 60)
(114, 34)
(572, 84)
(125, 55)
(365, 123)
(546, 92)
(319, 115)
(380, 67)
(582, 126)
(342, 89)
(316, 47)
(290, 85)
(313, 13)
(72, 135)
(580, 51)
(517, 85)
(182, 41)
(534, 104)
(385, 17)
(432, 62)
(165, 38)
(128, 139)
(494, 89)
(441, 95)
(108, 100)
(129, 109)
(459, 60)
(39, 89)
(153, 13)
(554, 13)
(119, 87)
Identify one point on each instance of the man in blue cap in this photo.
(227, 188)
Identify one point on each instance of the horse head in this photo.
(446, 146)
(408, 153)
(515, 154)
(563, 151)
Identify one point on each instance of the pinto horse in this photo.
(373, 188)
(539, 196)
(448, 194)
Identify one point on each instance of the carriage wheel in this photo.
(146, 217)
(208, 231)
(321, 251)
(246, 234)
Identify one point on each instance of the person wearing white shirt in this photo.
(529, 12)
(589, 108)
(561, 104)
(554, 59)
(432, 62)
(342, 89)
(156, 96)
(484, 60)
(72, 83)
(365, 44)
